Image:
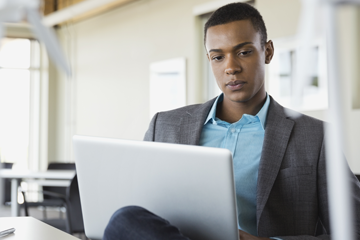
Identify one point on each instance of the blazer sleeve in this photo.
(150, 133)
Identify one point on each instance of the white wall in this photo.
(111, 53)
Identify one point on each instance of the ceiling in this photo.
(61, 11)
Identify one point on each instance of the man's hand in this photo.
(246, 236)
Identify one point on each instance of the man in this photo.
(279, 160)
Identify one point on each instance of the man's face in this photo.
(238, 60)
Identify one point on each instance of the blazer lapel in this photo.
(193, 122)
(277, 133)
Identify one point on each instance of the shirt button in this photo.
(233, 130)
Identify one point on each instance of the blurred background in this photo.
(131, 58)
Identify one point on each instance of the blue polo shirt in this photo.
(244, 139)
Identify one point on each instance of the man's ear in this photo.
(269, 51)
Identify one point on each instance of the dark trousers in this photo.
(137, 223)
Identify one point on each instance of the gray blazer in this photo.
(292, 198)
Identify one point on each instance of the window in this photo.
(19, 66)
(282, 75)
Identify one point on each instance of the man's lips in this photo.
(235, 85)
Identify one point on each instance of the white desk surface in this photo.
(48, 174)
(31, 229)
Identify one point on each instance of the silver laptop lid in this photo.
(190, 186)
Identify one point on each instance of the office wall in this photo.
(57, 125)
(114, 52)
(108, 94)
(110, 55)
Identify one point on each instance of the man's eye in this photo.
(243, 53)
(217, 58)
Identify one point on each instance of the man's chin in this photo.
(237, 98)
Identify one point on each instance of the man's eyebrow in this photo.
(242, 44)
(215, 50)
(235, 47)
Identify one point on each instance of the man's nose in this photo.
(232, 66)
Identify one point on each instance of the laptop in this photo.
(190, 186)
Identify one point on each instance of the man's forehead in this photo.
(231, 34)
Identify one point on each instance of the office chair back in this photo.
(73, 223)
(74, 211)
(58, 166)
(48, 200)
(6, 184)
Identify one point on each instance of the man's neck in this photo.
(233, 111)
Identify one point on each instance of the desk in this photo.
(62, 178)
(32, 229)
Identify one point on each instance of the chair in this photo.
(50, 201)
(6, 191)
(73, 223)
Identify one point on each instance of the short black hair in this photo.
(236, 12)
